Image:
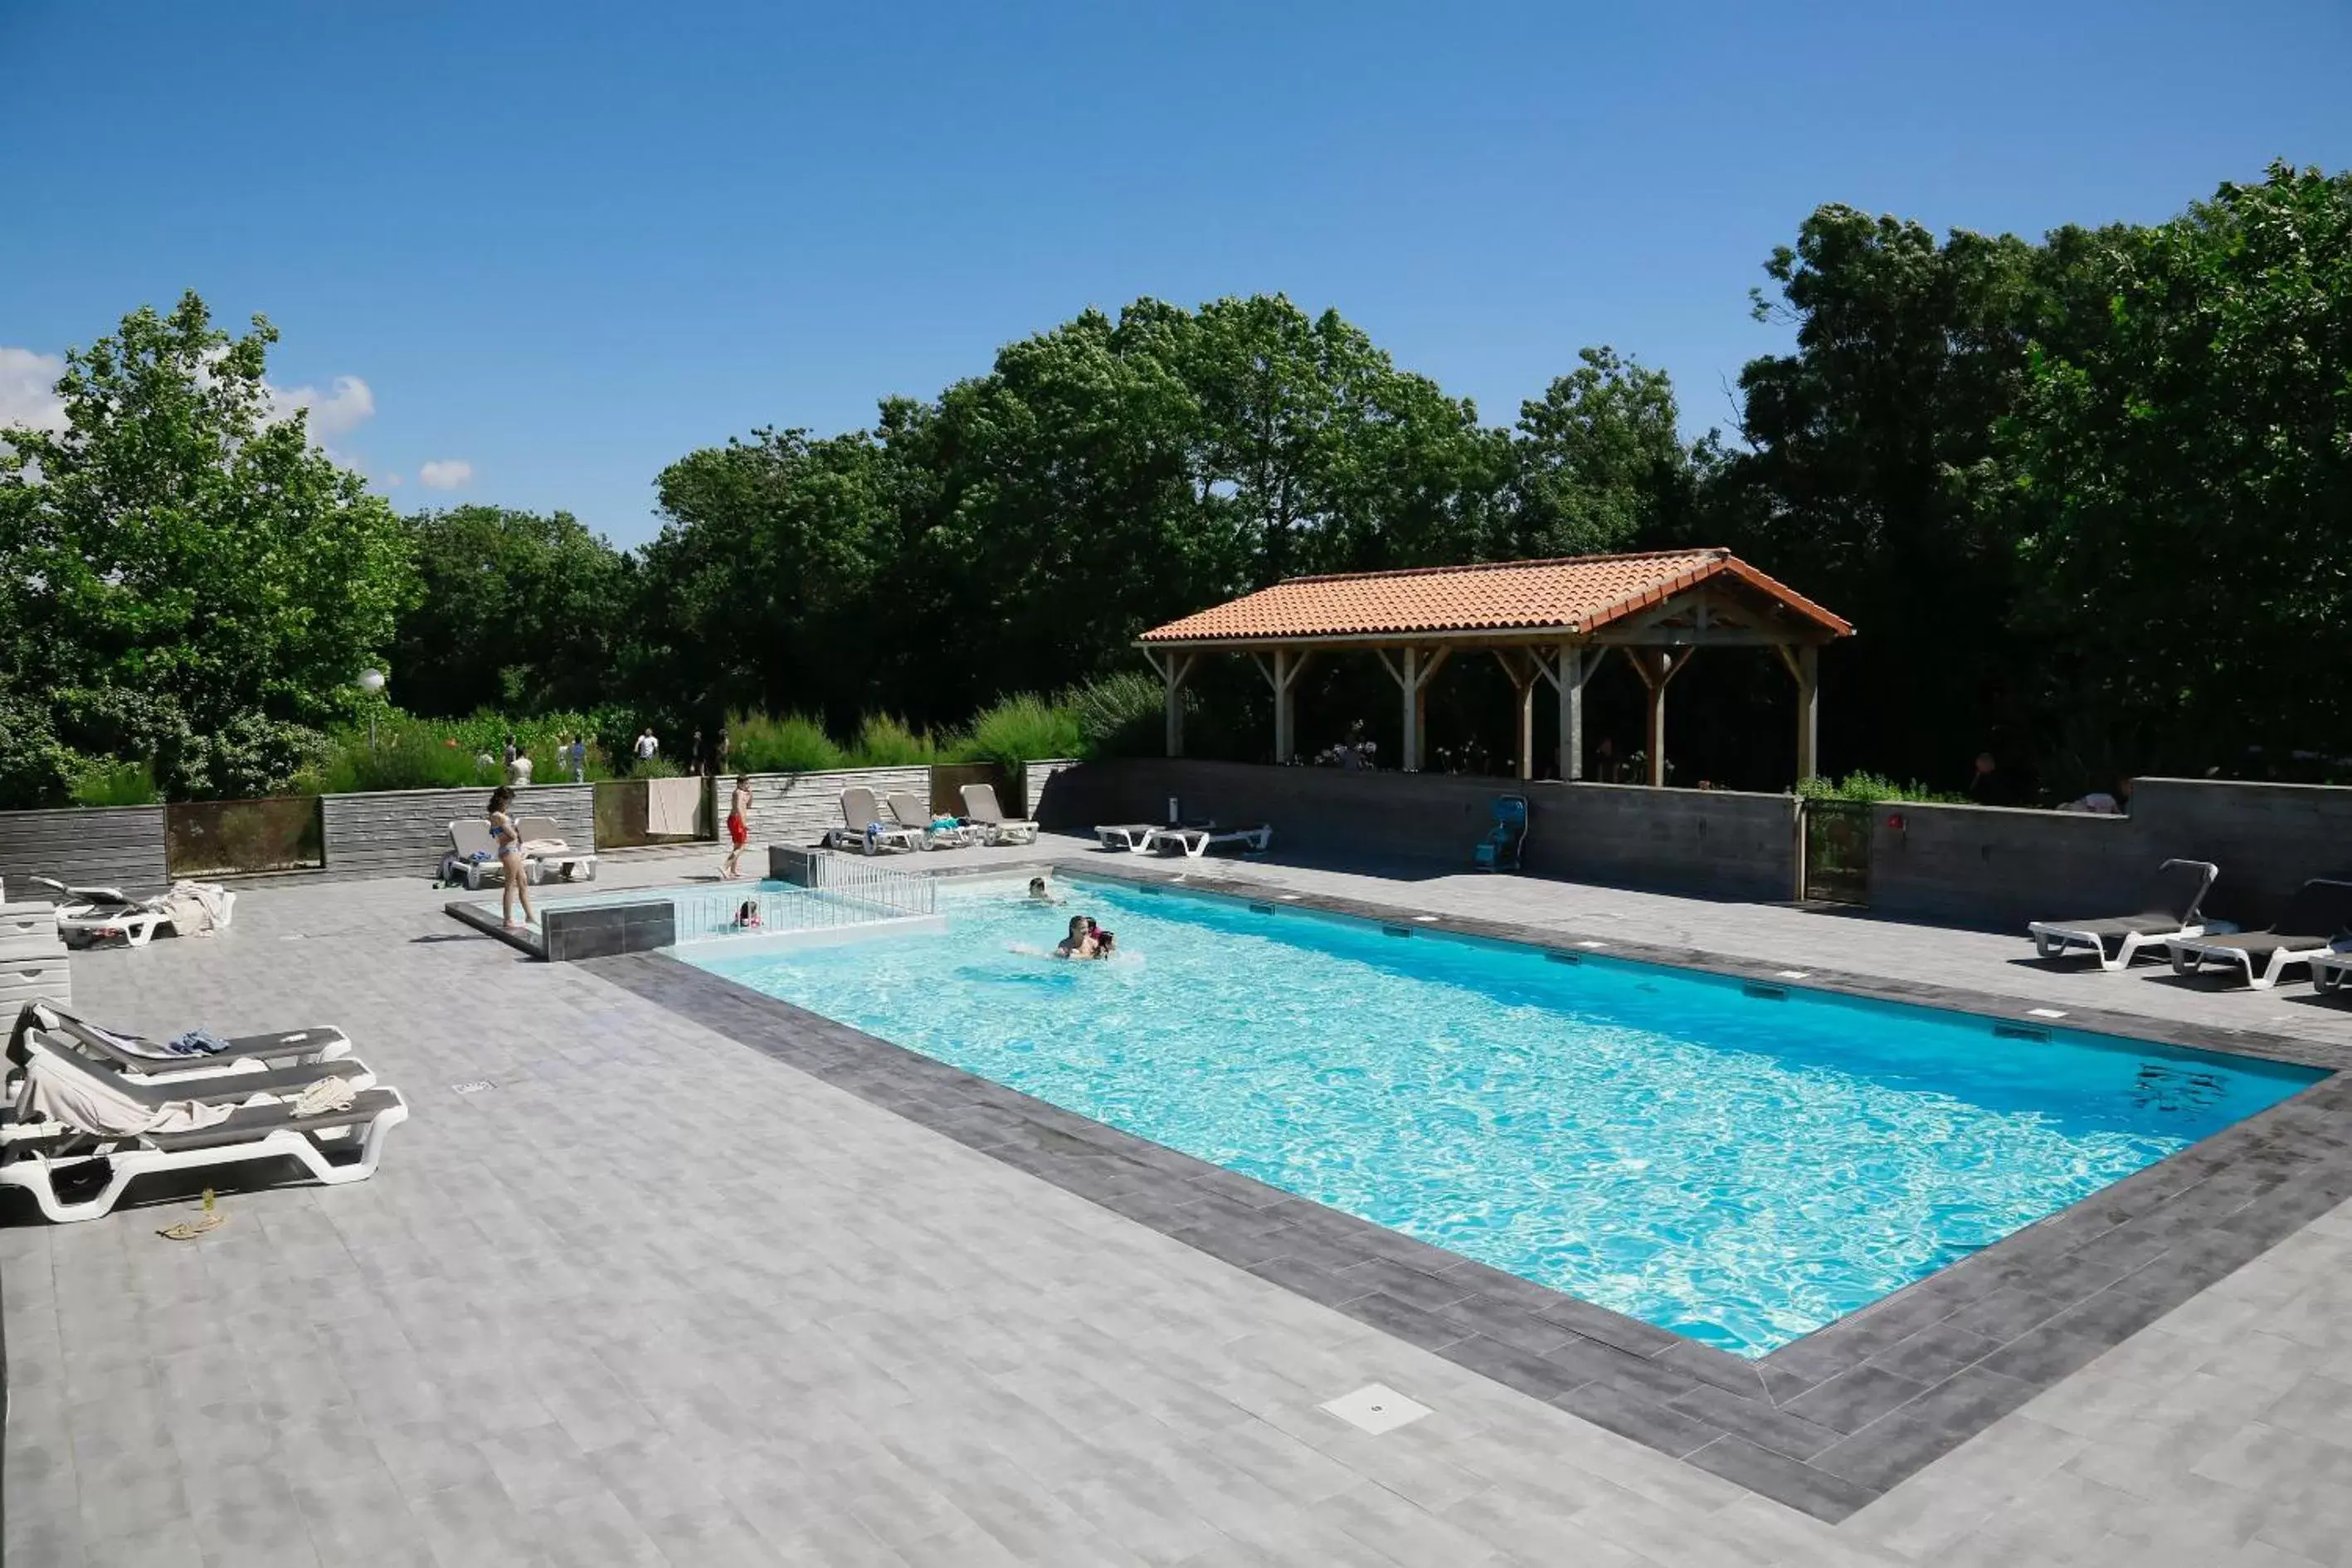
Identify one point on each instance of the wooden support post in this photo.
(1656, 666)
(1282, 726)
(1174, 666)
(1410, 684)
(1283, 676)
(1572, 711)
(1521, 669)
(1809, 711)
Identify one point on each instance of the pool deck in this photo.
(661, 1296)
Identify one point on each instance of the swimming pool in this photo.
(1738, 1168)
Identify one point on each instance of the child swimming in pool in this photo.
(1080, 943)
(1038, 893)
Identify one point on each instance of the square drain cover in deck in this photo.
(1377, 1408)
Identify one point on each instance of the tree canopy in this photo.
(188, 581)
(2084, 498)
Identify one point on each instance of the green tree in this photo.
(2186, 440)
(519, 611)
(1601, 465)
(191, 581)
(759, 592)
(1871, 481)
(1333, 458)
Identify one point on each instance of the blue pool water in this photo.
(1736, 1169)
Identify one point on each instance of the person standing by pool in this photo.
(739, 827)
(646, 744)
(508, 845)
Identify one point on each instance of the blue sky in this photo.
(554, 248)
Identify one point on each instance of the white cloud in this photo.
(336, 412)
(27, 389)
(391, 481)
(27, 398)
(445, 474)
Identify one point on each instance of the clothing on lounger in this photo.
(196, 1043)
(87, 1104)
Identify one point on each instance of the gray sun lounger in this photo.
(217, 1086)
(2315, 919)
(916, 818)
(335, 1146)
(863, 828)
(1194, 842)
(2176, 895)
(979, 804)
(133, 1054)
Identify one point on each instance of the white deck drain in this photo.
(2047, 1012)
(1592, 944)
(1377, 1408)
(1792, 974)
(1425, 919)
(472, 1085)
(1290, 897)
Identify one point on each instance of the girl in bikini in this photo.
(508, 845)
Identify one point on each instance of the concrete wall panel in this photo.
(102, 846)
(405, 833)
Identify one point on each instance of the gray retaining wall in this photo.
(1984, 866)
(1035, 778)
(405, 833)
(102, 846)
(1715, 843)
(799, 808)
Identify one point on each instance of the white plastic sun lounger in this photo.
(980, 804)
(1194, 842)
(221, 1076)
(2330, 971)
(863, 828)
(87, 914)
(1132, 836)
(99, 1161)
(472, 853)
(2172, 909)
(544, 846)
(2315, 921)
(134, 1056)
(916, 818)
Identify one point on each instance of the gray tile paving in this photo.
(831, 1316)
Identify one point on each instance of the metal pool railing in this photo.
(841, 892)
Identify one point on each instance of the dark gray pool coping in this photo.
(1823, 1424)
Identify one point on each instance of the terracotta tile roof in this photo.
(1578, 593)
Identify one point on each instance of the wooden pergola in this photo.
(1548, 623)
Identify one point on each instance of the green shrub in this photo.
(1867, 787)
(246, 758)
(1022, 727)
(409, 753)
(36, 767)
(402, 758)
(795, 743)
(884, 742)
(1122, 715)
(107, 783)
